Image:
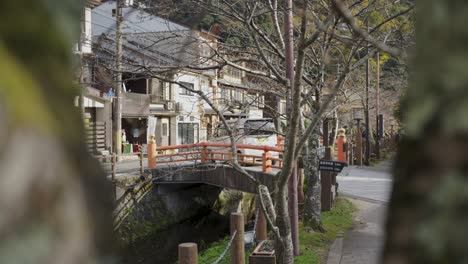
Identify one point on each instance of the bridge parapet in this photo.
(207, 152)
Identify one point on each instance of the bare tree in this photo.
(253, 43)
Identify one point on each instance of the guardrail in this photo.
(206, 152)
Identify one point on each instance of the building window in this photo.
(187, 133)
(186, 91)
(225, 94)
(261, 101)
(237, 96)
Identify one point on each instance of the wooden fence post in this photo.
(188, 253)
(237, 225)
(261, 227)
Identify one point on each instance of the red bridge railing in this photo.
(206, 152)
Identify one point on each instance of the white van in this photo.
(258, 132)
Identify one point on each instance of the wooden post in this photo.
(204, 154)
(351, 153)
(117, 114)
(358, 153)
(266, 161)
(237, 224)
(261, 227)
(341, 155)
(152, 153)
(326, 181)
(377, 107)
(188, 253)
(114, 169)
(141, 163)
(326, 177)
(113, 166)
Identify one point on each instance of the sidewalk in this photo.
(362, 244)
(369, 190)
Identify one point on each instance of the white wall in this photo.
(190, 110)
(86, 42)
(255, 113)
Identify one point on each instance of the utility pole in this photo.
(292, 185)
(377, 108)
(117, 116)
(82, 64)
(368, 145)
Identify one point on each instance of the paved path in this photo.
(370, 189)
(372, 183)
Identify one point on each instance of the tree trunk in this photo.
(284, 246)
(312, 205)
(427, 213)
(335, 128)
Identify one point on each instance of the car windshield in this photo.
(259, 127)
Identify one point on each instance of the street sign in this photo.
(333, 166)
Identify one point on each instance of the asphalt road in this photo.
(373, 183)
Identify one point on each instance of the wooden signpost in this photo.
(332, 166)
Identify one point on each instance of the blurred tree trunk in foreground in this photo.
(428, 214)
(55, 206)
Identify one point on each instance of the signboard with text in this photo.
(332, 166)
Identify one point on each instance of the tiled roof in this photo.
(134, 21)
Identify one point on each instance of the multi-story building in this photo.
(96, 106)
(155, 52)
(158, 82)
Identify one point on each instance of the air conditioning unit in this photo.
(169, 106)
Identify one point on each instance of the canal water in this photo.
(161, 248)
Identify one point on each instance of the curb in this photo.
(336, 250)
(362, 198)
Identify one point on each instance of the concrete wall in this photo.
(162, 206)
(217, 175)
